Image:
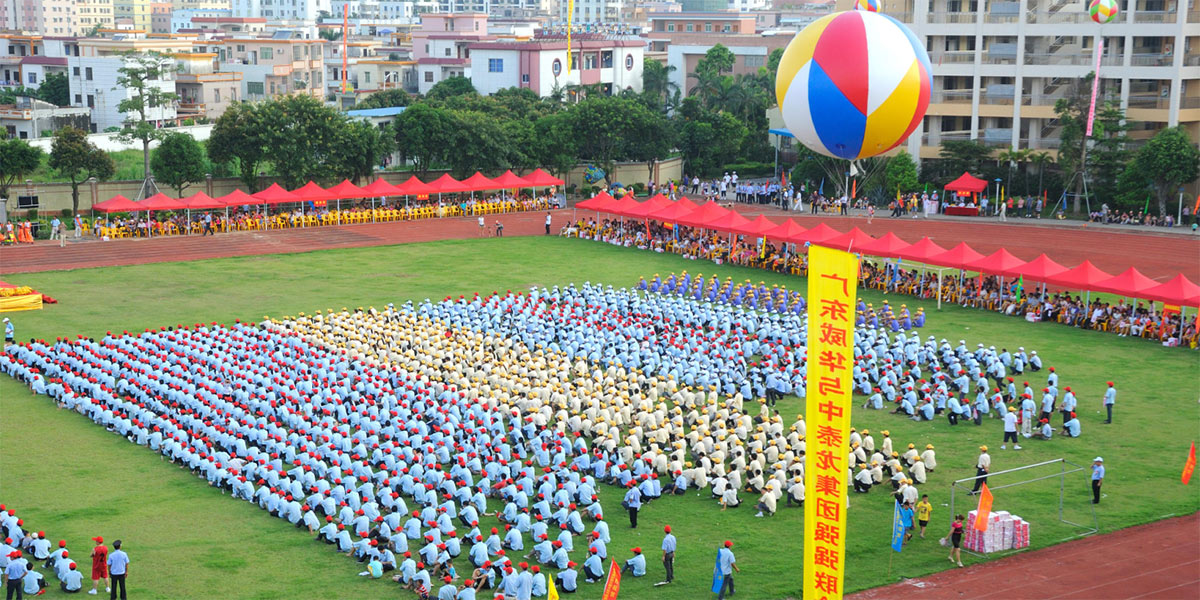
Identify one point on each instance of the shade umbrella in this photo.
(1039, 269)
(887, 246)
(346, 190)
(199, 201)
(236, 198)
(508, 180)
(1083, 277)
(380, 189)
(601, 202)
(672, 213)
(275, 195)
(415, 187)
(851, 241)
(624, 205)
(159, 201)
(118, 203)
(311, 192)
(789, 231)
(921, 251)
(479, 183)
(651, 204)
(728, 223)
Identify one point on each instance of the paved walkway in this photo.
(1158, 560)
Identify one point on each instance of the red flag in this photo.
(1189, 466)
(985, 508)
(613, 586)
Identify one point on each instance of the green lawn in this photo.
(71, 478)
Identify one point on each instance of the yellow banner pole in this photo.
(832, 291)
(570, 20)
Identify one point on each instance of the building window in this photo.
(426, 48)
(266, 53)
(76, 71)
(754, 61)
(495, 65)
(33, 78)
(725, 28)
(217, 96)
(556, 67)
(254, 88)
(367, 76)
(606, 59)
(524, 77)
(628, 62)
(447, 52)
(87, 73)
(708, 27)
(78, 99)
(589, 60)
(91, 101)
(428, 76)
(690, 28)
(670, 27)
(241, 48)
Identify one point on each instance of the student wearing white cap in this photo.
(1097, 478)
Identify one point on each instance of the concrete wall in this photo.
(53, 197)
(109, 142)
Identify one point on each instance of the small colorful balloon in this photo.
(1104, 11)
(867, 5)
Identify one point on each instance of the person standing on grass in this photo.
(1010, 429)
(10, 332)
(118, 568)
(633, 503)
(728, 564)
(982, 466)
(99, 564)
(14, 574)
(906, 519)
(1110, 398)
(1097, 478)
(955, 535)
(668, 550)
(924, 511)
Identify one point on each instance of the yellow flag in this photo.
(832, 291)
(570, 19)
(551, 592)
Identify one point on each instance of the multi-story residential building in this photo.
(637, 14)
(274, 67)
(202, 4)
(28, 59)
(999, 67)
(45, 17)
(183, 18)
(541, 65)
(160, 17)
(385, 73)
(93, 14)
(355, 52)
(31, 118)
(94, 70)
(685, 38)
(203, 90)
(593, 12)
(224, 24)
(450, 7)
(137, 12)
(441, 46)
(283, 10)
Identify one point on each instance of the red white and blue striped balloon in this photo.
(853, 84)
(867, 5)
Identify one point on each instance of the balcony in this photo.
(1055, 18)
(1189, 102)
(1153, 16)
(1193, 16)
(1152, 60)
(953, 17)
(1191, 60)
(1057, 59)
(953, 96)
(1149, 101)
(954, 57)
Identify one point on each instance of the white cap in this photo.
(5, 319)
(1098, 459)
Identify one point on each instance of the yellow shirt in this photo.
(924, 509)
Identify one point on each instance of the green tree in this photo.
(385, 99)
(450, 87)
(708, 139)
(332, 35)
(303, 136)
(421, 134)
(604, 126)
(17, 160)
(1169, 160)
(9, 96)
(901, 173)
(361, 146)
(179, 161)
(957, 156)
(56, 90)
(655, 138)
(479, 143)
(139, 77)
(717, 60)
(555, 145)
(657, 86)
(238, 137)
(77, 159)
(1072, 112)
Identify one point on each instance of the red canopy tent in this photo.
(643, 210)
(1039, 269)
(275, 195)
(1000, 262)
(311, 192)
(237, 198)
(623, 206)
(851, 241)
(820, 233)
(540, 178)
(673, 212)
(703, 214)
(415, 187)
(161, 201)
(602, 202)
(508, 180)
(379, 187)
(1129, 282)
(729, 222)
(346, 190)
(201, 201)
(1083, 277)
(921, 251)
(1179, 290)
(756, 228)
(789, 232)
(887, 246)
(683, 201)
(118, 203)
(448, 185)
(479, 183)
(967, 183)
(957, 257)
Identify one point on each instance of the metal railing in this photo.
(1189, 102)
(1152, 60)
(1193, 16)
(1149, 101)
(952, 57)
(953, 17)
(954, 96)
(1057, 59)
(1154, 16)
(1044, 17)
(1192, 60)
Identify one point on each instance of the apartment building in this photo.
(685, 38)
(203, 90)
(441, 46)
(615, 64)
(274, 67)
(94, 70)
(28, 59)
(46, 17)
(593, 12)
(1000, 66)
(93, 14)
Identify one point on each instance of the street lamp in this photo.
(997, 191)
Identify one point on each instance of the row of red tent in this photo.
(1179, 290)
(311, 192)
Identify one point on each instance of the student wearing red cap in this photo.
(14, 572)
(1110, 398)
(728, 565)
(668, 550)
(637, 564)
(72, 580)
(99, 564)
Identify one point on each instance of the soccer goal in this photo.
(1047, 495)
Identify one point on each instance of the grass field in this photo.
(71, 478)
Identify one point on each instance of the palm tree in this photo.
(708, 84)
(1041, 159)
(656, 82)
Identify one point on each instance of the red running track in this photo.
(1159, 256)
(1158, 560)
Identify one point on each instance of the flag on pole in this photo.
(822, 190)
(1095, 86)
(985, 509)
(897, 528)
(551, 591)
(898, 199)
(1146, 209)
(612, 587)
(1021, 285)
(570, 19)
(1001, 193)
(718, 576)
(1189, 466)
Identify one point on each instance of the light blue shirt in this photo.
(117, 561)
(726, 558)
(1097, 472)
(1110, 396)
(668, 543)
(73, 579)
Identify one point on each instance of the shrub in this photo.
(639, 188)
(67, 214)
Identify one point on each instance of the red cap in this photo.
(667, 529)
(98, 539)
(728, 544)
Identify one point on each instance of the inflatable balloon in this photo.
(867, 5)
(853, 84)
(593, 174)
(1103, 11)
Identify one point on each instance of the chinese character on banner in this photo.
(832, 291)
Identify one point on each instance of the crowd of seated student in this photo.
(984, 292)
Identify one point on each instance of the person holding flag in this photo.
(723, 571)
